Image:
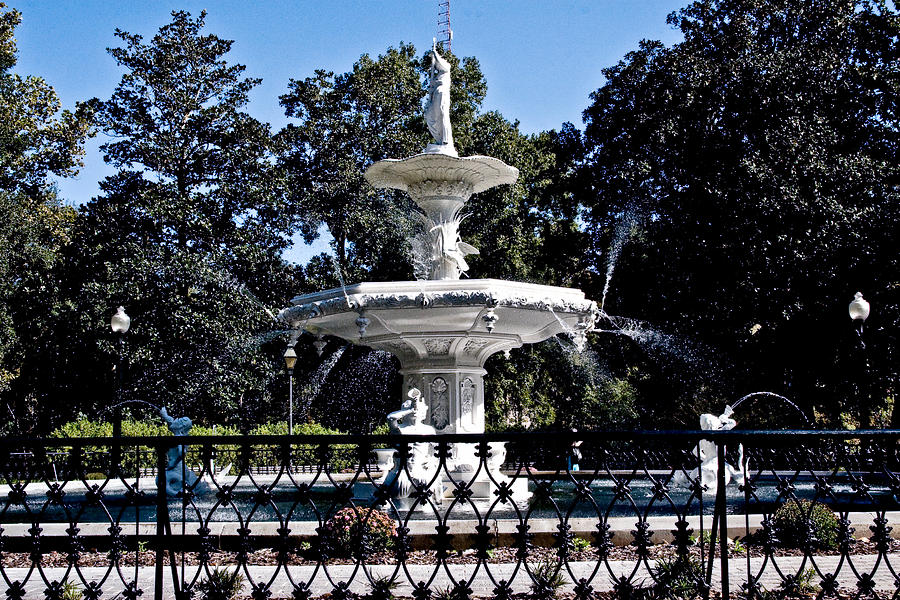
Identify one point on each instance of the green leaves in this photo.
(761, 156)
(37, 141)
(188, 234)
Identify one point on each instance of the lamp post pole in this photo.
(290, 359)
(119, 323)
(859, 311)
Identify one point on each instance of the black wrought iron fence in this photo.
(632, 514)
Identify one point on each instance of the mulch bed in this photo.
(418, 557)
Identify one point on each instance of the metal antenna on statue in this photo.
(445, 33)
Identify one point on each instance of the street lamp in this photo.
(119, 323)
(290, 359)
(859, 312)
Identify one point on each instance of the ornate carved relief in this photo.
(474, 346)
(466, 397)
(438, 346)
(422, 191)
(398, 348)
(440, 416)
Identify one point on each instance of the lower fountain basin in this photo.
(468, 319)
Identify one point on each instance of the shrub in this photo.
(579, 544)
(358, 532)
(94, 456)
(678, 577)
(262, 455)
(70, 591)
(799, 523)
(342, 457)
(546, 579)
(221, 584)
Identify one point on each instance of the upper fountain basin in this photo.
(475, 173)
(438, 320)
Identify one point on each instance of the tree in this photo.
(37, 141)
(344, 124)
(187, 236)
(760, 159)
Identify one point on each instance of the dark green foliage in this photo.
(547, 578)
(549, 385)
(343, 124)
(361, 387)
(358, 532)
(678, 577)
(806, 524)
(759, 158)
(37, 142)
(187, 236)
(221, 584)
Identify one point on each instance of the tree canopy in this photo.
(727, 196)
(760, 158)
(38, 141)
(187, 235)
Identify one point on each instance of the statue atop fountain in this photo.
(421, 468)
(437, 105)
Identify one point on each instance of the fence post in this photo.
(723, 518)
(162, 507)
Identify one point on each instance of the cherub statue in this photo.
(421, 466)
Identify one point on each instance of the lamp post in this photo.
(859, 311)
(119, 323)
(290, 359)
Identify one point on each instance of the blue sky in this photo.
(541, 58)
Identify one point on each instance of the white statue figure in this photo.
(421, 466)
(450, 251)
(437, 105)
(178, 476)
(708, 453)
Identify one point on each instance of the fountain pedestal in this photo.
(443, 331)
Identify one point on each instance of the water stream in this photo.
(757, 395)
(620, 237)
(309, 390)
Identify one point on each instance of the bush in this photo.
(95, 456)
(221, 584)
(801, 523)
(382, 429)
(262, 455)
(678, 577)
(358, 532)
(546, 579)
(342, 457)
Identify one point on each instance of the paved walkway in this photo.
(323, 580)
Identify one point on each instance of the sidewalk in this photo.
(323, 579)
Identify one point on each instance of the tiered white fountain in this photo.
(443, 328)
